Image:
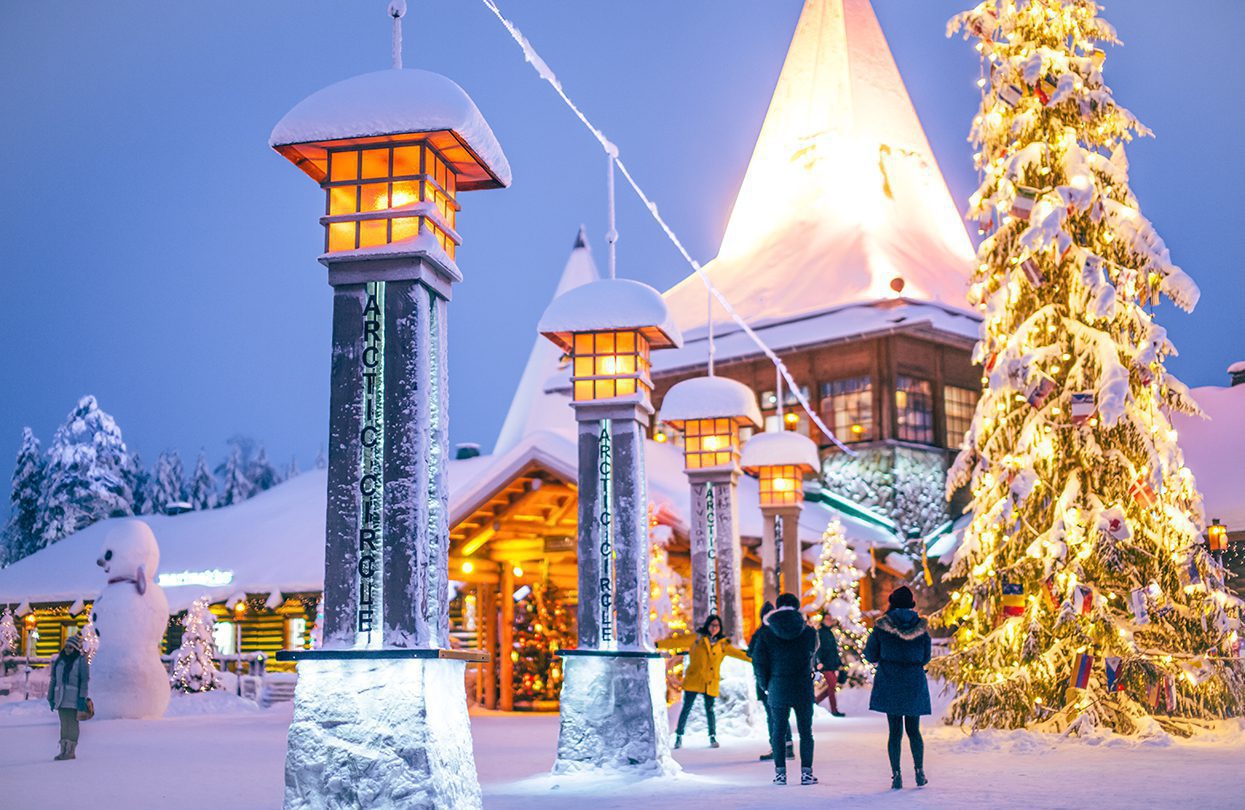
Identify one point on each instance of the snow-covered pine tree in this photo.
(9, 635)
(834, 590)
(1087, 596)
(87, 472)
(194, 667)
(235, 486)
(21, 536)
(292, 470)
(260, 472)
(170, 482)
(202, 488)
(140, 485)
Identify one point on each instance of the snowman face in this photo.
(129, 551)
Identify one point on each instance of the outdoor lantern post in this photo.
(380, 716)
(1217, 539)
(780, 460)
(710, 412)
(613, 707)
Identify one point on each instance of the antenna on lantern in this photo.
(397, 9)
(611, 235)
(709, 309)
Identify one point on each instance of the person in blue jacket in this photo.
(785, 649)
(900, 646)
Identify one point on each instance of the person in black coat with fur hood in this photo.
(785, 649)
(900, 646)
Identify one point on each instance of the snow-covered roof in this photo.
(396, 102)
(779, 448)
(532, 409)
(1214, 448)
(842, 195)
(710, 398)
(841, 323)
(611, 303)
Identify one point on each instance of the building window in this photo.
(223, 637)
(960, 404)
(710, 442)
(847, 408)
(794, 418)
(610, 364)
(914, 410)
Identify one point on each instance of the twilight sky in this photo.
(161, 256)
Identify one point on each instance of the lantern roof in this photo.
(780, 449)
(388, 105)
(710, 398)
(611, 304)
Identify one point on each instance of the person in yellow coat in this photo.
(707, 648)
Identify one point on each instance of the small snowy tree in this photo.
(260, 472)
(235, 486)
(292, 470)
(194, 667)
(90, 640)
(140, 485)
(668, 612)
(170, 483)
(87, 472)
(202, 485)
(21, 537)
(321, 462)
(9, 635)
(835, 591)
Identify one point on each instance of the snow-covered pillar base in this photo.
(614, 715)
(380, 734)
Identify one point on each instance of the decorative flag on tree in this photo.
(835, 591)
(1050, 144)
(194, 667)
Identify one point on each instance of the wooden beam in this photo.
(486, 533)
(507, 640)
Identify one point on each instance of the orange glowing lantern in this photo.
(609, 328)
(710, 411)
(780, 460)
(390, 160)
(1217, 536)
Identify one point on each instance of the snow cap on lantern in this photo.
(710, 411)
(781, 459)
(392, 149)
(608, 327)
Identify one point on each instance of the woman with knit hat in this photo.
(67, 693)
(900, 646)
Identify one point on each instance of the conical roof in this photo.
(532, 409)
(842, 195)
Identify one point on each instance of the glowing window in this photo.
(914, 410)
(847, 408)
(781, 485)
(960, 404)
(710, 443)
(610, 364)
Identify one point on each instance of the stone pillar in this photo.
(613, 707)
(769, 554)
(717, 574)
(783, 567)
(385, 683)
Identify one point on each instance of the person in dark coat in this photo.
(784, 664)
(829, 662)
(900, 646)
(67, 692)
(752, 646)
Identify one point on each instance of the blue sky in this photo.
(159, 255)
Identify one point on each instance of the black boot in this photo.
(921, 781)
(768, 755)
(896, 780)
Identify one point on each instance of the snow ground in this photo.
(217, 751)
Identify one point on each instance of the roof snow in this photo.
(710, 398)
(532, 409)
(843, 194)
(779, 449)
(392, 102)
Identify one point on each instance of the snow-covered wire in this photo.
(543, 70)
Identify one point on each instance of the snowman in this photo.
(130, 616)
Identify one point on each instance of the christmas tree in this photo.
(1087, 595)
(87, 476)
(194, 669)
(835, 592)
(21, 537)
(9, 635)
(668, 604)
(542, 625)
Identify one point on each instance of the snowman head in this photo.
(130, 554)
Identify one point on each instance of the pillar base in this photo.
(737, 711)
(391, 733)
(614, 716)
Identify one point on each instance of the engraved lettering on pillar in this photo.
(711, 547)
(605, 478)
(630, 530)
(371, 468)
(589, 536)
(729, 563)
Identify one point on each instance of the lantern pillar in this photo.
(613, 700)
(781, 560)
(717, 573)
